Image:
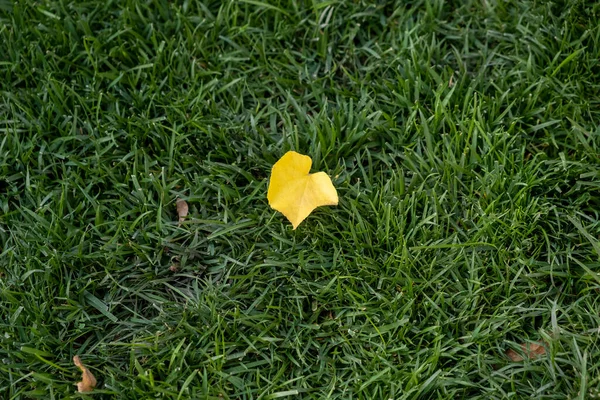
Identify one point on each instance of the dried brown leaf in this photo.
(88, 381)
(530, 350)
(182, 209)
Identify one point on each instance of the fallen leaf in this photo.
(294, 192)
(182, 209)
(88, 382)
(530, 350)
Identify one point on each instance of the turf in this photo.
(463, 139)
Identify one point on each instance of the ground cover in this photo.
(462, 138)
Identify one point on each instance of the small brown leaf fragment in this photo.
(182, 209)
(88, 382)
(530, 350)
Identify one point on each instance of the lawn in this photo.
(463, 138)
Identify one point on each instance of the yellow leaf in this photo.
(88, 382)
(294, 192)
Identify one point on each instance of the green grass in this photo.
(462, 136)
